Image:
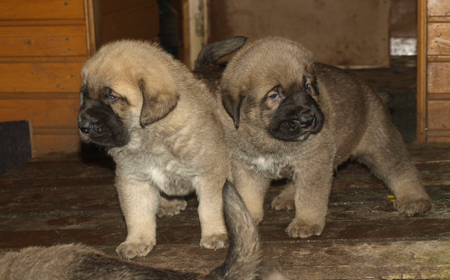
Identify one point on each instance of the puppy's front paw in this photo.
(412, 206)
(130, 249)
(281, 202)
(302, 229)
(214, 241)
(171, 207)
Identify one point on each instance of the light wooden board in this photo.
(439, 38)
(438, 8)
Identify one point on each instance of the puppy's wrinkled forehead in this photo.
(271, 59)
(121, 65)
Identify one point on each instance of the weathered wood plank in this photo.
(111, 232)
(437, 73)
(384, 260)
(66, 199)
(438, 118)
(439, 39)
(43, 171)
(96, 210)
(379, 260)
(437, 8)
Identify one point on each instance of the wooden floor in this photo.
(68, 199)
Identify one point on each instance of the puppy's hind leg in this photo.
(383, 151)
(252, 187)
(170, 206)
(285, 200)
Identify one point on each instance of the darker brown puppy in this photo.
(295, 118)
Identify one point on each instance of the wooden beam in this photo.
(421, 71)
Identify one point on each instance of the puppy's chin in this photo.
(106, 139)
(292, 130)
(290, 137)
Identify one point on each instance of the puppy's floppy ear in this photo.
(232, 103)
(157, 103)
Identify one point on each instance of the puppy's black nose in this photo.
(84, 126)
(83, 129)
(306, 120)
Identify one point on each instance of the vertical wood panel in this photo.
(89, 14)
(421, 70)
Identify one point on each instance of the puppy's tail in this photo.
(244, 255)
(213, 52)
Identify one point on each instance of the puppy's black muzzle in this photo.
(296, 118)
(86, 125)
(97, 123)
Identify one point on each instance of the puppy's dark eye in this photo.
(109, 97)
(307, 87)
(274, 96)
(112, 98)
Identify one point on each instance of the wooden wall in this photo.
(433, 87)
(403, 22)
(347, 33)
(43, 47)
(131, 19)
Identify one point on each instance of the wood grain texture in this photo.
(40, 77)
(438, 8)
(438, 136)
(43, 41)
(439, 38)
(437, 78)
(43, 9)
(44, 46)
(56, 143)
(43, 112)
(438, 114)
(421, 70)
